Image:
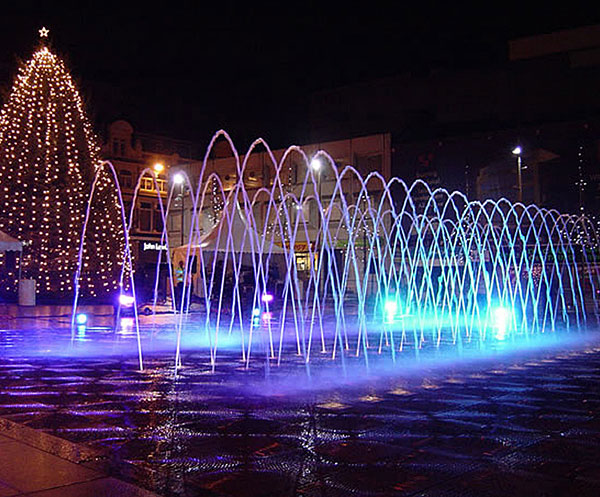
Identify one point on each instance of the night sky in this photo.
(249, 67)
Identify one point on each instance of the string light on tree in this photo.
(49, 156)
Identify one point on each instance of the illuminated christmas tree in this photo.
(49, 156)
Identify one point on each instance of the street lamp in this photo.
(159, 167)
(517, 151)
(179, 179)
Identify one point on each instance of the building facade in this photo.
(131, 153)
(369, 154)
(456, 127)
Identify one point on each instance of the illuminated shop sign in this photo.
(153, 246)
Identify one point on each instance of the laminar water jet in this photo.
(383, 272)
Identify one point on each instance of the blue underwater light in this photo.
(81, 318)
(390, 308)
(502, 317)
(256, 316)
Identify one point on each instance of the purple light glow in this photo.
(267, 298)
(126, 300)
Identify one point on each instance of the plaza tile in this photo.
(28, 469)
(524, 424)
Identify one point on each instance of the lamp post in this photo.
(517, 151)
(179, 179)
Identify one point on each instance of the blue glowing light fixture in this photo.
(501, 317)
(81, 318)
(256, 317)
(390, 308)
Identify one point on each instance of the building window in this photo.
(158, 224)
(125, 178)
(147, 184)
(118, 147)
(302, 261)
(145, 216)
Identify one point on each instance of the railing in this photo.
(147, 185)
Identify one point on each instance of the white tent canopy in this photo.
(8, 243)
(232, 233)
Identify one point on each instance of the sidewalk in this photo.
(64, 469)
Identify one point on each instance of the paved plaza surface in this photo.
(27, 470)
(524, 423)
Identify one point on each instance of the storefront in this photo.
(146, 257)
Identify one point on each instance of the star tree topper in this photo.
(44, 32)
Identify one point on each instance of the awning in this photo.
(8, 243)
(232, 234)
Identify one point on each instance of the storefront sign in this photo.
(298, 246)
(154, 246)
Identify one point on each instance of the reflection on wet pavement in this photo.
(514, 425)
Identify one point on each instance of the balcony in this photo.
(147, 185)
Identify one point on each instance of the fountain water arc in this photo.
(384, 265)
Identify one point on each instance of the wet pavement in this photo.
(525, 423)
